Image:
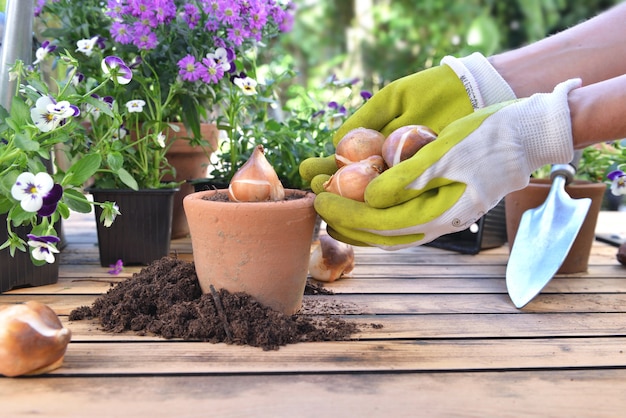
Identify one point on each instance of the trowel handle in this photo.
(567, 170)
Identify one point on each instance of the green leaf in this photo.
(63, 210)
(100, 105)
(76, 201)
(127, 179)
(24, 142)
(20, 112)
(115, 161)
(84, 168)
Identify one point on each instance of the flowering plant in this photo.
(290, 132)
(33, 191)
(185, 50)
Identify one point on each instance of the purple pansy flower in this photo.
(618, 179)
(51, 200)
(43, 247)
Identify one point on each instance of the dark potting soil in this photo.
(165, 299)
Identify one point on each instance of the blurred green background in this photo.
(381, 40)
(378, 41)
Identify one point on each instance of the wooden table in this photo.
(452, 344)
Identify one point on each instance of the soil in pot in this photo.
(165, 299)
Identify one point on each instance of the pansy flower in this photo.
(43, 51)
(116, 268)
(43, 247)
(110, 210)
(115, 68)
(48, 113)
(618, 179)
(51, 201)
(135, 106)
(30, 189)
(86, 46)
(160, 139)
(223, 57)
(246, 84)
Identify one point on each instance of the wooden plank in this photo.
(434, 326)
(549, 394)
(173, 357)
(370, 285)
(401, 304)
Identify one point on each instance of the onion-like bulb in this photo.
(358, 144)
(256, 180)
(351, 180)
(405, 141)
(32, 339)
(331, 259)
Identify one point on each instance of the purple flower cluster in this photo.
(232, 22)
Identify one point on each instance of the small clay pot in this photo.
(516, 203)
(190, 163)
(260, 248)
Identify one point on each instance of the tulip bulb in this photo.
(256, 180)
(358, 144)
(351, 180)
(405, 141)
(331, 259)
(32, 339)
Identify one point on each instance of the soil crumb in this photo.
(165, 299)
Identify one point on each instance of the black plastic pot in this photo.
(142, 233)
(19, 271)
(488, 232)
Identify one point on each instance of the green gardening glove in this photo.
(434, 97)
(454, 180)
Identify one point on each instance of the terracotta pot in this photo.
(259, 248)
(535, 194)
(190, 163)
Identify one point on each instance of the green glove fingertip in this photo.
(315, 166)
(317, 184)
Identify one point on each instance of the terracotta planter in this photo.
(19, 271)
(259, 248)
(535, 194)
(190, 163)
(142, 233)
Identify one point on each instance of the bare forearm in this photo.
(598, 112)
(593, 51)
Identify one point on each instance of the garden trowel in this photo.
(544, 237)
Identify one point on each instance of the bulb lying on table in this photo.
(32, 339)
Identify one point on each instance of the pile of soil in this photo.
(165, 299)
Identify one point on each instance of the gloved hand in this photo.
(453, 181)
(434, 97)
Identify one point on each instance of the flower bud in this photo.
(351, 180)
(404, 142)
(357, 145)
(32, 339)
(256, 180)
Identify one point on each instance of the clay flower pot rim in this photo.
(305, 201)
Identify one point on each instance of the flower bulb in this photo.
(404, 142)
(256, 180)
(32, 339)
(351, 180)
(358, 144)
(331, 259)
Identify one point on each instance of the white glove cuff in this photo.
(548, 127)
(482, 82)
